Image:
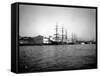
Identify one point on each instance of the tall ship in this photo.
(59, 38)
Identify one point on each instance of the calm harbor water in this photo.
(56, 57)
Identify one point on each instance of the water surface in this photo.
(55, 57)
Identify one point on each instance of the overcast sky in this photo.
(41, 20)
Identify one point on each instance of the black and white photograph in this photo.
(56, 38)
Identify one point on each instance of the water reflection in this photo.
(35, 58)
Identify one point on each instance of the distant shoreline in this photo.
(46, 44)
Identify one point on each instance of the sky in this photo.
(42, 20)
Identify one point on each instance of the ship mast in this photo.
(62, 34)
(66, 35)
(73, 37)
(56, 32)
